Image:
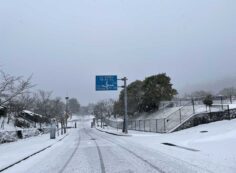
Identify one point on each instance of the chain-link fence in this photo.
(174, 119)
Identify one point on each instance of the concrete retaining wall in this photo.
(204, 118)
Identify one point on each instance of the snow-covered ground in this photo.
(13, 152)
(159, 114)
(8, 127)
(87, 150)
(215, 149)
(76, 117)
(199, 108)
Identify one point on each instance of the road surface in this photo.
(87, 150)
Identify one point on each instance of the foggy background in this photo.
(64, 44)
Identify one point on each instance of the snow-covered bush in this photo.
(6, 136)
(21, 123)
(30, 133)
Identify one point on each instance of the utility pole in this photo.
(125, 123)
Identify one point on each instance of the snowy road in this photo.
(87, 150)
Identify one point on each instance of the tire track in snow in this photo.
(103, 170)
(71, 156)
(134, 154)
(161, 171)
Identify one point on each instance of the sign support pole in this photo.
(109, 83)
(125, 123)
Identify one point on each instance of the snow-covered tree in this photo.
(156, 88)
(134, 99)
(208, 101)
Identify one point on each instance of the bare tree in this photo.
(228, 92)
(22, 102)
(11, 87)
(57, 108)
(104, 108)
(42, 103)
(200, 94)
(90, 108)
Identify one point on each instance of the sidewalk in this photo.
(112, 131)
(16, 151)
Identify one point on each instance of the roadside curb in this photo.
(113, 133)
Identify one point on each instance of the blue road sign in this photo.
(106, 83)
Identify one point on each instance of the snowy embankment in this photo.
(158, 114)
(209, 146)
(16, 151)
(164, 113)
(10, 133)
(215, 143)
(79, 118)
(12, 136)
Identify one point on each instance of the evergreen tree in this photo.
(156, 88)
(145, 95)
(208, 101)
(134, 96)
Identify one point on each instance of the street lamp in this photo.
(67, 98)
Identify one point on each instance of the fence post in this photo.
(139, 125)
(144, 124)
(101, 122)
(221, 101)
(135, 124)
(150, 129)
(229, 113)
(180, 116)
(156, 126)
(164, 125)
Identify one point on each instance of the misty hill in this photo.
(214, 86)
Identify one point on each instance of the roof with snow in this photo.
(31, 113)
(2, 107)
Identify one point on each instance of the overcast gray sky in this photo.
(65, 43)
